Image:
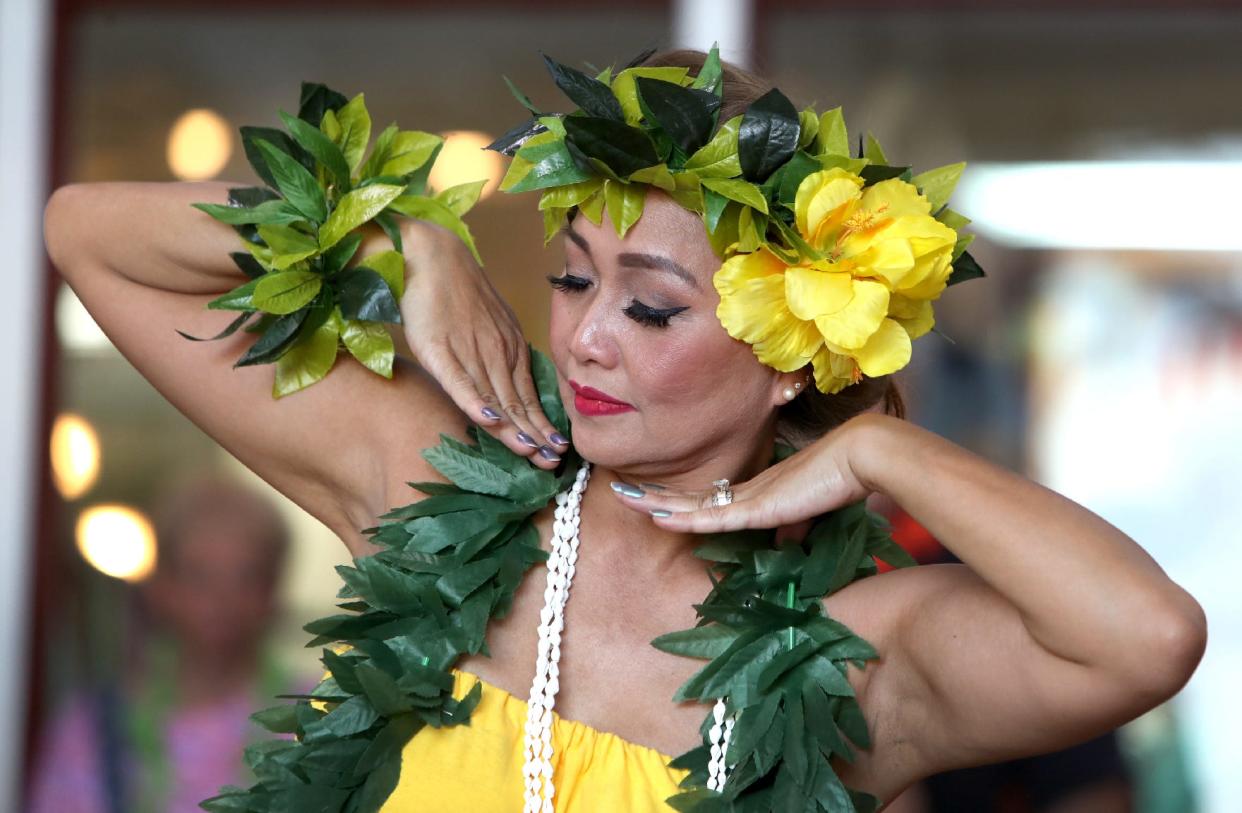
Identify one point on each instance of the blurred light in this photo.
(463, 159)
(118, 541)
(1160, 205)
(75, 327)
(74, 449)
(199, 145)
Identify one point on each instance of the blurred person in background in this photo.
(170, 729)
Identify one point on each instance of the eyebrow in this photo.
(630, 259)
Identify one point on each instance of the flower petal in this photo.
(833, 371)
(752, 309)
(853, 325)
(915, 315)
(822, 194)
(812, 292)
(887, 351)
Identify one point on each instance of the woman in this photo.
(1055, 628)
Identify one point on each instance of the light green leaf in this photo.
(624, 203)
(308, 360)
(370, 343)
(355, 124)
(873, 152)
(238, 299)
(808, 128)
(718, 158)
(354, 209)
(379, 153)
(421, 208)
(288, 245)
(269, 211)
(564, 197)
(461, 198)
(744, 192)
(330, 126)
(286, 291)
(391, 266)
(833, 137)
(954, 220)
(938, 184)
(658, 176)
(410, 150)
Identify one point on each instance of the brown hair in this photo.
(813, 413)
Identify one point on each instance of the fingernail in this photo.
(527, 439)
(660, 512)
(627, 489)
(547, 454)
(558, 439)
(652, 486)
(490, 414)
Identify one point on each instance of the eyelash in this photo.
(643, 314)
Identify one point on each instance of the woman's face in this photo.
(635, 319)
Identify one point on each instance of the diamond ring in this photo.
(723, 495)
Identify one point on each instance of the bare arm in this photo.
(144, 263)
(1058, 627)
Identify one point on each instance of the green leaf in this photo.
(411, 151)
(238, 299)
(433, 211)
(371, 344)
(295, 182)
(626, 91)
(337, 257)
(710, 76)
(622, 148)
(286, 291)
(278, 719)
(954, 220)
(461, 198)
(288, 245)
(543, 371)
(593, 96)
(275, 340)
(718, 158)
(363, 294)
(833, 137)
(316, 99)
(965, 268)
(353, 716)
(708, 641)
(271, 211)
(686, 115)
(382, 691)
(354, 209)
(521, 97)
(250, 137)
(470, 473)
(743, 192)
(312, 139)
(355, 124)
(624, 203)
(767, 136)
(388, 743)
(873, 152)
(228, 331)
(938, 184)
(391, 266)
(308, 360)
(247, 264)
(565, 197)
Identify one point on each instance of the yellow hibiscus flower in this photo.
(855, 311)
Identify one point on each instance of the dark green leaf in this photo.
(238, 299)
(389, 226)
(965, 268)
(337, 257)
(622, 148)
(228, 331)
(363, 294)
(710, 75)
(278, 719)
(275, 341)
(388, 743)
(686, 115)
(295, 182)
(768, 135)
(317, 98)
(248, 265)
(312, 139)
(547, 383)
(512, 139)
(874, 173)
(593, 96)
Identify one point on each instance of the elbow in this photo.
(60, 237)
(1174, 646)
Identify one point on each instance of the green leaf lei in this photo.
(301, 231)
(453, 560)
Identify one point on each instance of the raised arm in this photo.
(145, 263)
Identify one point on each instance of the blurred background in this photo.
(1102, 356)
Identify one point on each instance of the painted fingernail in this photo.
(490, 414)
(627, 490)
(652, 486)
(547, 454)
(527, 439)
(558, 439)
(660, 512)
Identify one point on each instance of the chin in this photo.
(597, 442)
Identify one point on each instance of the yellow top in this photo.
(478, 767)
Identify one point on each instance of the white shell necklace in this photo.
(537, 768)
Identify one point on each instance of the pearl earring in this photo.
(790, 393)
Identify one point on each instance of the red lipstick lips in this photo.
(590, 401)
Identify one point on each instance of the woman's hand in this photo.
(818, 478)
(468, 338)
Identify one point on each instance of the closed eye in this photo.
(638, 311)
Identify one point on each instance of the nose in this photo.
(594, 336)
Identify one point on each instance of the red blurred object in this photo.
(914, 538)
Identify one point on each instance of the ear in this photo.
(788, 386)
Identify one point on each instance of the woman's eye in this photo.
(646, 315)
(568, 282)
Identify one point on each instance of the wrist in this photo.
(871, 440)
